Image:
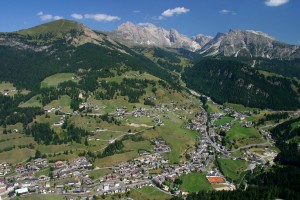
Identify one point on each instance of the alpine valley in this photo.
(142, 112)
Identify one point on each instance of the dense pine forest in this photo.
(235, 82)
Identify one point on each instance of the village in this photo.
(71, 178)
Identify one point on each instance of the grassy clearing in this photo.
(223, 120)
(241, 136)
(237, 131)
(60, 148)
(8, 86)
(107, 135)
(21, 140)
(194, 182)
(178, 138)
(48, 118)
(64, 101)
(16, 155)
(239, 107)
(18, 126)
(33, 102)
(130, 151)
(260, 115)
(135, 146)
(10, 136)
(267, 74)
(148, 193)
(115, 159)
(54, 80)
(232, 169)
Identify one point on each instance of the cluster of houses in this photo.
(29, 168)
(5, 168)
(199, 123)
(76, 168)
(141, 112)
(88, 106)
(120, 112)
(161, 146)
(72, 175)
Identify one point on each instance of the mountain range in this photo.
(68, 46)
(236, 43)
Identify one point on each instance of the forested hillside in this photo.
(235, 82)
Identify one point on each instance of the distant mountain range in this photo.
(154, 36)
(236, 43)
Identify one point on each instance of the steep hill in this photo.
(56, 27)
(235, 82)
(64, 46)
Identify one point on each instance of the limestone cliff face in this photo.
(249, 43)
(154, 36)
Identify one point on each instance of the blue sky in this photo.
(279, 18)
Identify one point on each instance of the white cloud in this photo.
(274, 3)
(174, 11)
(225, 12)
(101, 17)
(144, 24)
(77, 16)
(58, 17)
(46, 17)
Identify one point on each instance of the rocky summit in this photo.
(249, 43)
(235, 43)
(152, 35)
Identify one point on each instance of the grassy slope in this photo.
(195, 182)
(213, 107)
(54, 80)
(232, 169)
(223, 120)
(57, 27)
(237, 131)
(148, 193)
(33, 102)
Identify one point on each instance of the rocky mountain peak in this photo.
(202, 39)
(155, 36)
(249, 43)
